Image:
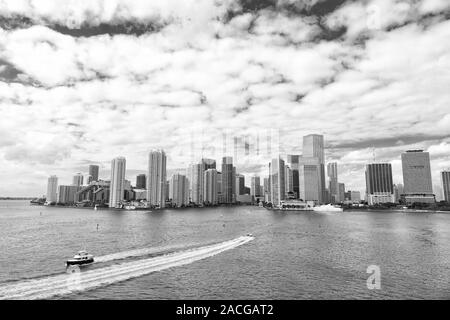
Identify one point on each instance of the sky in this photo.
(82, 82)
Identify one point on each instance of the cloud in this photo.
(98, 79)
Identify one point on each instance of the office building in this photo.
(195, 176)
(289, 180)
(333, 187)
(445, 179)
(156, 179)
(417, 177)
(210, 191)
(93, 172)
(255, 186)
(179, 190)
(240, 184)
(117, 184)
(277, 181)
(310, 179)
(77, 179)
(141, 181)
(379, 185)
(52, 189)
(313, 147)
(228, 180)
(292, 161)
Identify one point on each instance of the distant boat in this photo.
(81, 258)
(328, 208)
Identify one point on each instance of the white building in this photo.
(277, 181)
(210, 191)
(310, 179)
(77, 179)
(418, 186)
(179, 190)
(52, 189)
(117, 185)
(156, 178)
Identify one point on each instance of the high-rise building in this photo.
(379, 185)
(93, 171)
(267, 189)
(219, 188)
(179, 190)
(418, 186)
(141, 181)
(313, 147)
(228, 180)
(445, 177)
(292, 161)
(52, 189)
(341, 187)
(117, 185)
(77, 179)
(210, 186)
(89, 179)
(333, 188)
(156, 178)
(66, 194)
(195, 176)
(208, 164)
(310, 179)
(289, 180)
(240, 184)
(277, 181)
(255, 186)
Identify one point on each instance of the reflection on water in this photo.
(293, 256)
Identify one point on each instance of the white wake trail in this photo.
(82, 281)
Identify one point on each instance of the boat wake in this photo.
(82, 281)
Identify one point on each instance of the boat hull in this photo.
(79, 262)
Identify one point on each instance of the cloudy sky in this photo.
(84, 81)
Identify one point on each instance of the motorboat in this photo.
(249, 235)
(328, 208)
(81, 258)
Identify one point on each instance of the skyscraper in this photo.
(141, 181)
(277, 181)
(117, 185)
(289, 179)
(313, 146)
(228, 180)
(52, 189)
(341, 187)
(292, 161)
(219, 188)
(89, 179)
(379, 185)
(210, 186)
(93, 171)
(66, 194)
(255, 186)
(240, 184)
(179, 190)
(445, 177)
(310, 179)
(332, 172)
(195, 175)
(156, 178)
(77, 179)
(417, 177)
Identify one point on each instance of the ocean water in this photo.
(204, 254)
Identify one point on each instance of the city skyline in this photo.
(109, 80)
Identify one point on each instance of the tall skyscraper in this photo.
(93, 171)
(379, 185)
(341, 187)
(277, 181)
(313, 146)
(117, 185)
(210, 186)
(156, 178)
(240, 184)
(141, 181)
(255, 186)
(89, 179)
(418, 186)
(310, 179)
(219, 188)
(289, 179)
(228, 180)
(77, 179)
(179, 190)
(208, 164)
(195, 175)
(52, 189)
(445, 177)
(292, 161)
(333, 188)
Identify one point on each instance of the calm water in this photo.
(293, 256)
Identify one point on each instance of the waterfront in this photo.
(295, 255)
